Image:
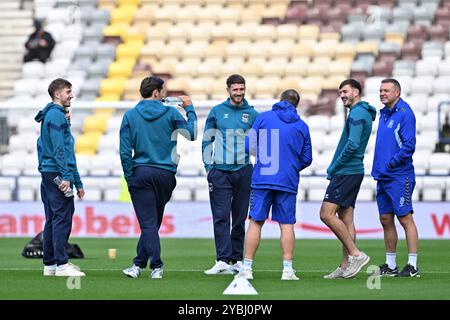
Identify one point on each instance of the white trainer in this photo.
(220, 267)
(355, 264)
(289, 274)
(336, 274)
(157, 273)
(246, 273)
(68, 270)
(132, 272)
(236, 267)
(50, 270)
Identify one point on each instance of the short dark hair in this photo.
(150, 84)
(352, 83)
(290, 96)
(56, 85)
(235, 78)
(394, 82)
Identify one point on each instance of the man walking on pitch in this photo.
(346, 173)
(276, 177)
(147, 143)
(56, 155)
(229, 173)
(394, 171)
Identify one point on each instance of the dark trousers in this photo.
(229, 192)
(41, 55)
(150, 190)
(58, 220)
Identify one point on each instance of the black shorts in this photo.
(343, 190)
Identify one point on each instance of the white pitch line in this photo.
(201, 270)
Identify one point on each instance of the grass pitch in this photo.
(185, 260)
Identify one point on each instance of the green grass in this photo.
(185, 260)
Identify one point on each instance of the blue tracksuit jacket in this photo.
(396, 142)
(282, 130)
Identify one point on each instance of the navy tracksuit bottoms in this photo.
(229, 192)
(150, 190)
(59, 211)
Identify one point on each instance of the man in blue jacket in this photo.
(56, 157)
(148, 141)
(394, 171)
(346, 173)
(282, 145)
(229, 173)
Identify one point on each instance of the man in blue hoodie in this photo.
(346, 173)
(56, 157)
(282, 145)
(148, 142)
(394, 171)
(229, 173)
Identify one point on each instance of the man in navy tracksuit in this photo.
(57, 158)
(394, 171)
(148, 153)
(282, 145)
(229, 173)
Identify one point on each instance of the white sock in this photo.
(412, 259)
(248, 263)
(287, 264)
(390, 260)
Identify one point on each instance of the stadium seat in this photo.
(13, 163)
(439, 163)
(422, 84)
(366, 192)
(28, 187)
(316, 189)
(7, 185)
(93, 187)
(432, 188)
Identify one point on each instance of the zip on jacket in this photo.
(55, 144)
(223, 145)
(395, 143)
(349, 155)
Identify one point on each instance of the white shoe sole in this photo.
(357, 270)
(70, 275)
(248, 276)
(129, 275)
(218, 273)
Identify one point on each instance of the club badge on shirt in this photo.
(245, 117)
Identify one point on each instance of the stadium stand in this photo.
(105, 48)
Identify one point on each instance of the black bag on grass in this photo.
(35, 248)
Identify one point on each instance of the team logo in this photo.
(391, 124)
(402, 201)
(210, 187)
(245, 117)
(326, 195)
(225, 116)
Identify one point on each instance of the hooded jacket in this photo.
(55, 145)
(223, 145)
(396, 142)
(349, 155)
(150, 131)
(282, 145)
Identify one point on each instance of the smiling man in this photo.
(394, 171)
(57, 158)
(346, 173)
(229, 173)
